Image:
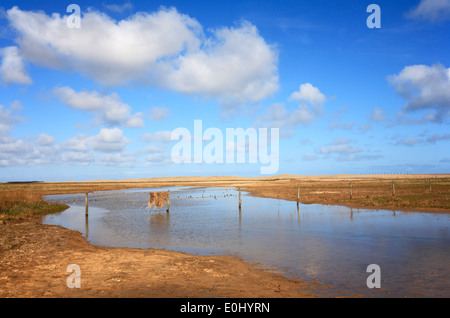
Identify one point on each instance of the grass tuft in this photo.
(22, 204)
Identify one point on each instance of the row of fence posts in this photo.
(87, 202)
(240, 197)
(393, 188)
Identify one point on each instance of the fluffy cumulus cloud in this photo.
(311, 94)
(12, 67)
(310, 107)
(431, 10)
(109, 51)
(109, 108)
(425, 88)
(109, 140)
(164, 48)
(235, 63)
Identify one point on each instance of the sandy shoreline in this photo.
(34, 257)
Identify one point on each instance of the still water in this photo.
(330, 244)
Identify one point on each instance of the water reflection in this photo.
(308, 241)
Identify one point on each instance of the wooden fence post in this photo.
(393, 188)
(351, 190)
(168, 201)
(240, 201)
(87, 203)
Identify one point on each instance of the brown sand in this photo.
(34, 260)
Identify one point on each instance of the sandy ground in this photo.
(34, 257)
(34, 260)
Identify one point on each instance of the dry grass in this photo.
(158, 199)
(22, 204)
(413, 194)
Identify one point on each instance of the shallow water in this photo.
(332, 244)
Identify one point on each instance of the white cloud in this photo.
(12, 68)
(342, 150)
(158, 158)
(432, 10)
(159, 113)
(163, 48)
(109, 51)
(45, 140)
(82, 158)
(310, 157)
(339, 146)
(353, 157)
(9, 117)
(109, 140)
(118, 159)
(276, 115)
(346, 126)
(377, 115)
(307, 92)
(235, 64)
(438, 137)
(424, 88)
(77, 143)
(408, 141)
(159, 136)
(119, 8)
(364, 127)
(21, 152)
(110, 108)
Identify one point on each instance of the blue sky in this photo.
(101, 101)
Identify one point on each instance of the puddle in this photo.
(332, 244)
